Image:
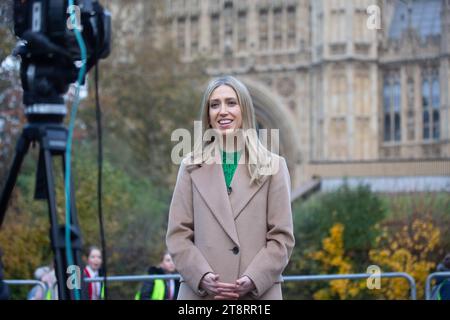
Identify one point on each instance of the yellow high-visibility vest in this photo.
(158, 293)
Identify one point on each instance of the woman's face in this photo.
(225, 113)
(95, 259)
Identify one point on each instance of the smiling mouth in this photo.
(225, 121)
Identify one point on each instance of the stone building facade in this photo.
(365, 101)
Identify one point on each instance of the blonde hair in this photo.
(260, 160)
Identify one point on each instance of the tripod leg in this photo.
(21, 149)
(52, 144)
(56, 240)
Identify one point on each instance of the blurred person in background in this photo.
(441, 290)
(160, 289)
(93, 290)
(4, 289)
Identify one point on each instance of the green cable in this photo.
(73, 115)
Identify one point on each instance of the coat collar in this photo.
(210, 182)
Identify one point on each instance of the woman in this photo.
(160, 289)
(230, 227)
(94, 289)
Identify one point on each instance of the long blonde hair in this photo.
(260, 162)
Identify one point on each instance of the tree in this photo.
(135, 214)
(406, 248)
(358, 210)
(333, 260)
(6, 37)
(147, 92)
(11, 111)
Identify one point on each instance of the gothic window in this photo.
(181, 33)
(431, 106)
(387, 111)
(338, 139)
(435, 99)
(291, 27)
(338, 22)
(411, 113)
(228, 23)
(339, 95)
(215, 33)
(362, 139)
(194, 34)
(361, 95)
(392, 108)
(263, 29)
(277, 31)
(397, 111)
(424, 16)
(242, 30)
(359, 26)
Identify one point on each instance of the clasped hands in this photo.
(224, 291)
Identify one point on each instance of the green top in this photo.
(229, 164)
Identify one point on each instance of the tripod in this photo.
(52, 139)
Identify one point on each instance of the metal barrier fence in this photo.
(134, 278)
(355, 276)
(26, 282)
(428, 282)
(323, 277)
(411, 281)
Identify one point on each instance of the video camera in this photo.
(50, 62)
(49, 50)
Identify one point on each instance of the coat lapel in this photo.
(242, 192)
(210, 182)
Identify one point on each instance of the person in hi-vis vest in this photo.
(160, 289)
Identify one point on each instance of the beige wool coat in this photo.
(249, 232)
